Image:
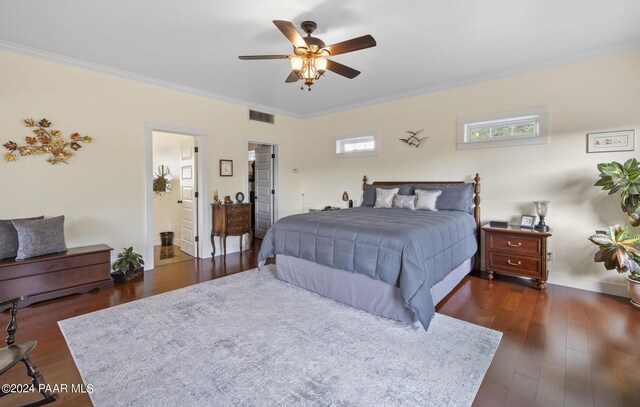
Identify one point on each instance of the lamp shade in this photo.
(321, 65)
(296, 64)
(542, 207)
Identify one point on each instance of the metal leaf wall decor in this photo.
(413, 140)
(46, 141)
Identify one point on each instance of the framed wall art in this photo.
(226, 168)
(609, 141)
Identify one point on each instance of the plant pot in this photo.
(166, 238)
(634, 291)
(120, 278)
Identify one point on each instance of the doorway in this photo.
(175, 215)
(262, 189)
(176, 212)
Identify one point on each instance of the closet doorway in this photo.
(262, 188)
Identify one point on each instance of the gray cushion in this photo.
(455, 197)
(9, 238)
(404, 202)
(40, 237)
(369, 195)
(427, 199)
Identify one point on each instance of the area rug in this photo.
(252, 340)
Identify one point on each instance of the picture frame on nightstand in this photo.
(527, 221)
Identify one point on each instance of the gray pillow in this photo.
(404, 202)
(9, 238)
(40, 237)
(455, 197)
(369, 195)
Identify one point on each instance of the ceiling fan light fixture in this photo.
(296, 64)
(321, 65)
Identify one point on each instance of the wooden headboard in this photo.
(476, 202)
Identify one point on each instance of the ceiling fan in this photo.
(310, 55)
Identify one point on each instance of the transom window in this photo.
(507, 129)
(358, 145)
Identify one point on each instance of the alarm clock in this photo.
(239, 197)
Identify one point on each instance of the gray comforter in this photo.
(412, 250)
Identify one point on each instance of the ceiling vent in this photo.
(261, 117)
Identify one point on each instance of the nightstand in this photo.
(516, 251)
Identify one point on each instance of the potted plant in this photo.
(161, 181)
(128, 265)
(618, 248)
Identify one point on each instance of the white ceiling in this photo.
(422, 44)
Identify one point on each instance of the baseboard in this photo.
(603, 287)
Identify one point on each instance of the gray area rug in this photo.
(252, 340)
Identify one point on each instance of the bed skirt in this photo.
(359, 290)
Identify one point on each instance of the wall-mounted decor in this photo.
(46, 141)
(161, 181)
(226, 168)
(413, 140)
(609, 141)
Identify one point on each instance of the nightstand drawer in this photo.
(514, 263)
(516, 243)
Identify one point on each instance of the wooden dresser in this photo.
(516, 251)
(77, 270)
(230, 220)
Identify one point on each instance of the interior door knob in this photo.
(180, 201)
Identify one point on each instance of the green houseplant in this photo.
(127, 266)
(619, 249)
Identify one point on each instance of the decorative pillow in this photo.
(40, 237)
(427, 200)
(455, 197)
(9, 238)
(369, 193)
(384, 197)
(404, 202)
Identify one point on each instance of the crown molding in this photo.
(566, 60)
(80, 63)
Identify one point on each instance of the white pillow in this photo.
(427, 199)
(404, 202)
(384, 197)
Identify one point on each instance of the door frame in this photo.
(200, 141)
(275, 175)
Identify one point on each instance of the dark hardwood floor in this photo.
(560, 347)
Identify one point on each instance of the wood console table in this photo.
(230, 220)
(77, 270)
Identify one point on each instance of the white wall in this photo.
(166, 209)
(102, 189)
(595, 95)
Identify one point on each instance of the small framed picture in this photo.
(527, 221)
(226, 168)
(609, 141)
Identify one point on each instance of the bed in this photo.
(396, 263)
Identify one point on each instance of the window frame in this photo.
(362, 153)
(500, 119)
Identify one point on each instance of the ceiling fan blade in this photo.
(342, 69)
(293, 77)
(250, 57)
(289, 31)
(354, 44)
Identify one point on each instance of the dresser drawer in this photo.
(515, 243)
(240, 229)
(514, 263)
(235, 210)
(237, 220)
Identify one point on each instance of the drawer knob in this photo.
(514, 245)
(514, 264)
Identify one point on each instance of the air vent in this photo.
(261, 117)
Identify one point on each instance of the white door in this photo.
(264, 190)
(188, 201)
